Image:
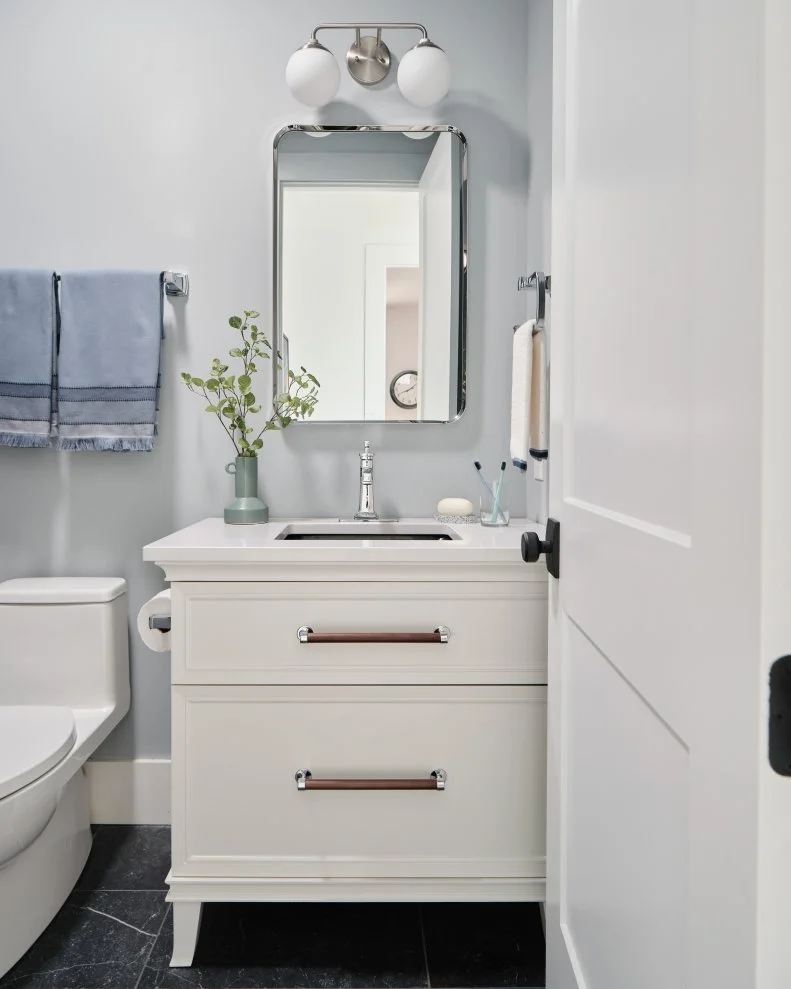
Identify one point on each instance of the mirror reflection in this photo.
(370, 281)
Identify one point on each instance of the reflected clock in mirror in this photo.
(403, 390)
(370, 277)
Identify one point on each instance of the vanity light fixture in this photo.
(313, 76)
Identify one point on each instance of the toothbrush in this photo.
(477, 465)
(489, 491)
(496, 506)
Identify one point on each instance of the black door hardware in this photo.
(780, 716)
(533, 547)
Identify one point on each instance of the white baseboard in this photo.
(134, 792)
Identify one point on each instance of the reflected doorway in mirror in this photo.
(370, 225)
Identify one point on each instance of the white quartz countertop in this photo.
(211, 541)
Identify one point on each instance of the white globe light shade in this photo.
(424, 74)
(312, 75)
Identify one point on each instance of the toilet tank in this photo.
(64, 641)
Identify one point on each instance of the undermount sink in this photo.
(390, 531)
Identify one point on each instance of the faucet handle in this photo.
(367, 454)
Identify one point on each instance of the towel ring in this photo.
(542, 284)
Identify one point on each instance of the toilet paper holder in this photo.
(160, 622)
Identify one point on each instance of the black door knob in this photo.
(533, 547)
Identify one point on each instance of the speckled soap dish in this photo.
(457, 519)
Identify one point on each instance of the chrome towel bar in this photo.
(176, 283)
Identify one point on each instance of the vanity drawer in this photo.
(248, 632)
(238, 811)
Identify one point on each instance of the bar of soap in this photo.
(455, 506)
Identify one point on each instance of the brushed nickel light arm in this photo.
(381, 26)
(368, 59)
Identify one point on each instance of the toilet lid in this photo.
(33, 739)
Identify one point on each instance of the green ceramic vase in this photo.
(246, 507)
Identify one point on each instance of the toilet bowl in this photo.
(64, 685)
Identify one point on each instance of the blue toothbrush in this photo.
(496, 506)
(495, 498)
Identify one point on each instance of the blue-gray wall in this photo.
(539, 189)
(138, 133)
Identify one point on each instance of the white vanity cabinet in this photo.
(364, 722)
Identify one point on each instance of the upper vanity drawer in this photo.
(359, 633)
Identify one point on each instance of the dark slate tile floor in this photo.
(115, 932)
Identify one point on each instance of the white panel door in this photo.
(654, 685)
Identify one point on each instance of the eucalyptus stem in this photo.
(231, 398)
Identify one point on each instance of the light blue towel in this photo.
(108, 364)
(27, 335)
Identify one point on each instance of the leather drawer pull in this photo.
(436, 781)
(306, 635)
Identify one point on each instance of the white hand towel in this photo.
(539, 403)
(520, 394)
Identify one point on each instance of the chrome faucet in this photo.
(366, 513)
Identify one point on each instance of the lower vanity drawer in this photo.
(239, 809)
(354, 632)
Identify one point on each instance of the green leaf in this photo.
(213, 408)
(230, 381)
(228, 412)
(185, 376)
(212, 384)
(257, 444)
(244, 382)
(235, 322)
(235, 352)
(249, 399)
(198, 382)
(252, 313)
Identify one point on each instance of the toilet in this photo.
(64, 686)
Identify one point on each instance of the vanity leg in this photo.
(186, 926)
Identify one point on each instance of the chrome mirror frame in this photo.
(461, 261)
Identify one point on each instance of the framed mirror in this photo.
(370, 287)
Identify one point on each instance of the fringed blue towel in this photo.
(27, 335)
(108, 365)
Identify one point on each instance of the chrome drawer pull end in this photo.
(441, 777)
